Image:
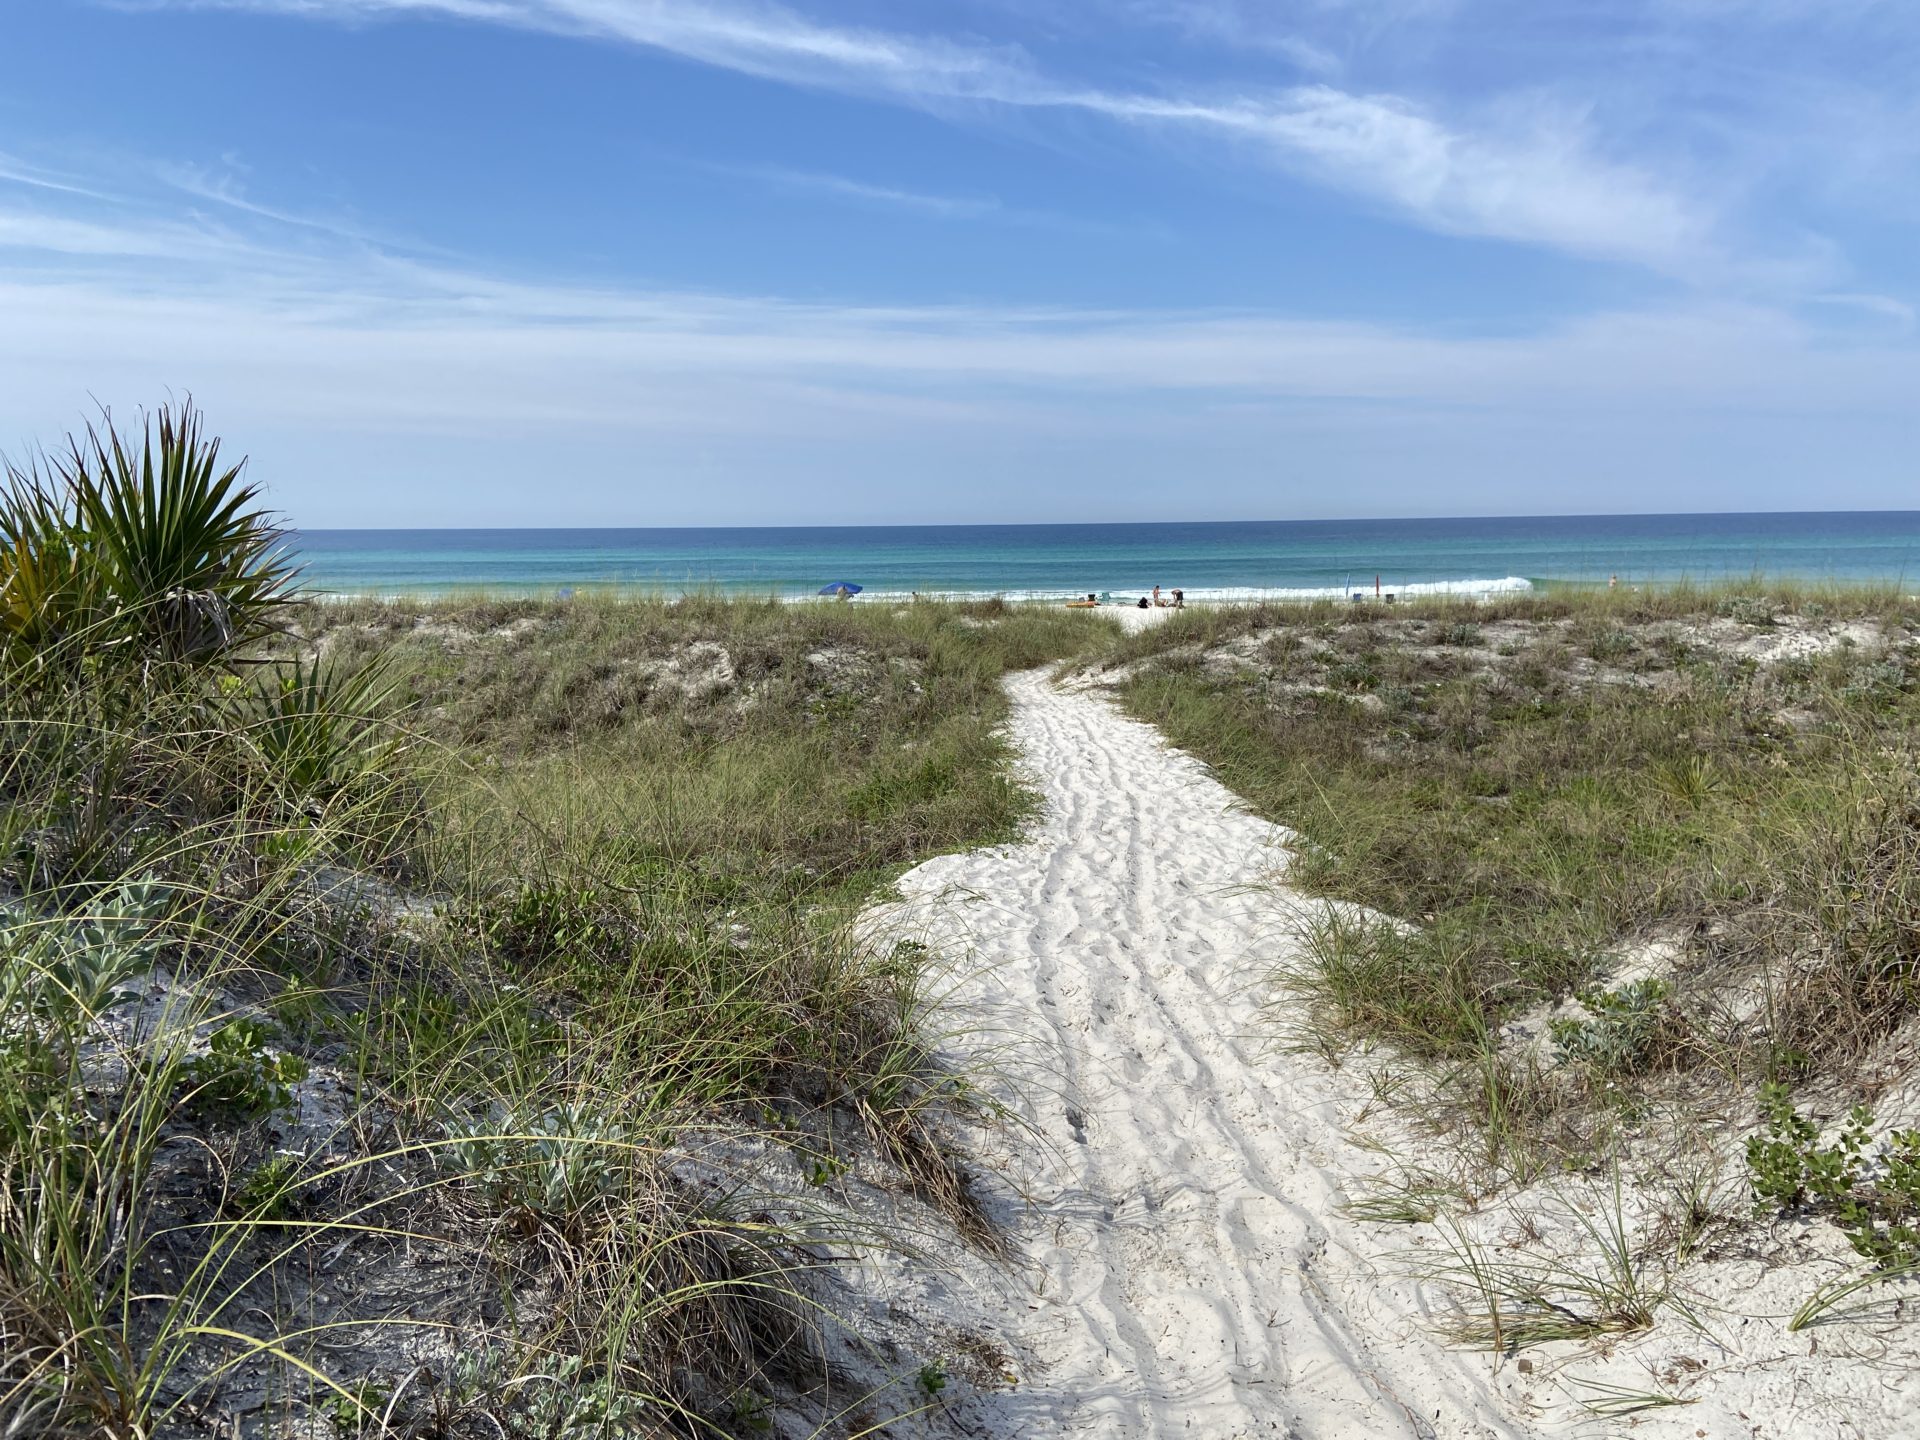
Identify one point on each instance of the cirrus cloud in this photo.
(1537, 179)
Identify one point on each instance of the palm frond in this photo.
(317, 728)
(148, 539)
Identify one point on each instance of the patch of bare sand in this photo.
(1182, 1263)
(1182, 1266)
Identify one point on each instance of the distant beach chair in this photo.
(1359, 596)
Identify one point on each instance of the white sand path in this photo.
(1187, 1268)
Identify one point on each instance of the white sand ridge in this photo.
(1186, 1267)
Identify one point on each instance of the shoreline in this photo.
(1467, 589)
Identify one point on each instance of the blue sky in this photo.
(634, 262)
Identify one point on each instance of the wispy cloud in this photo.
(951, 207)
(19, 172)
(970, 209)
(465, 338)
(442, 378)
(1232, 23)
(219, 187)
(1883, 307)
(1535, 178)
(1547, 189)
(44, 232)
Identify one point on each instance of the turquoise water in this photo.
(1211, 560)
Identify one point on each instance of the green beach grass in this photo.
(371, 971)
(1543, 786)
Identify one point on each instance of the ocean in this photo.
(1209, 560)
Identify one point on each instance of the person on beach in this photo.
(1179, 599)
(1157, 601)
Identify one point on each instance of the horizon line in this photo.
(1085, 524)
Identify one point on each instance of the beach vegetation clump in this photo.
(1620, 1031)
(1873, 1198)
(238, 1075)
(1630, 837)
(148, 542)
(1516, 1302)
(389, 994)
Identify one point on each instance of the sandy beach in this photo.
(1184, 1265)
(810, 720)
(1176, 1181)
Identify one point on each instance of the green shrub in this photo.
(1610, 644)
(317, 729)
(357, 1411)
(1880, 683)
(1353, 674)
(569, 1404)
(146, 540)
(1688, 780)
(268, 1191)
(825, 1169)
(1792, 1172)
(239, 1077)
(1756, 610)
(544, 922)
(752, 1411)
(554, 1164)
(75, 966)
(542, 1397)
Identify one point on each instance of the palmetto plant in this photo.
(50, 592)
(143, 540)
(318, 728)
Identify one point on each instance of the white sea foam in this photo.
(1232, 595)
(1122, 594)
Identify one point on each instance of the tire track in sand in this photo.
(1186, 1266)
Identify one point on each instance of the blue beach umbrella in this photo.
(840, 587)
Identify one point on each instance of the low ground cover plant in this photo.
(1874, 1198)
(1619, 1032)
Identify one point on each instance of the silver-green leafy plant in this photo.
(554, 1163)
(1619, 1035)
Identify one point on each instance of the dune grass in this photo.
(373, 975)
(1533, 786)
(685, 804)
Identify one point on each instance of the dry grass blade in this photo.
(1525, 1301)
(1826, 1305)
